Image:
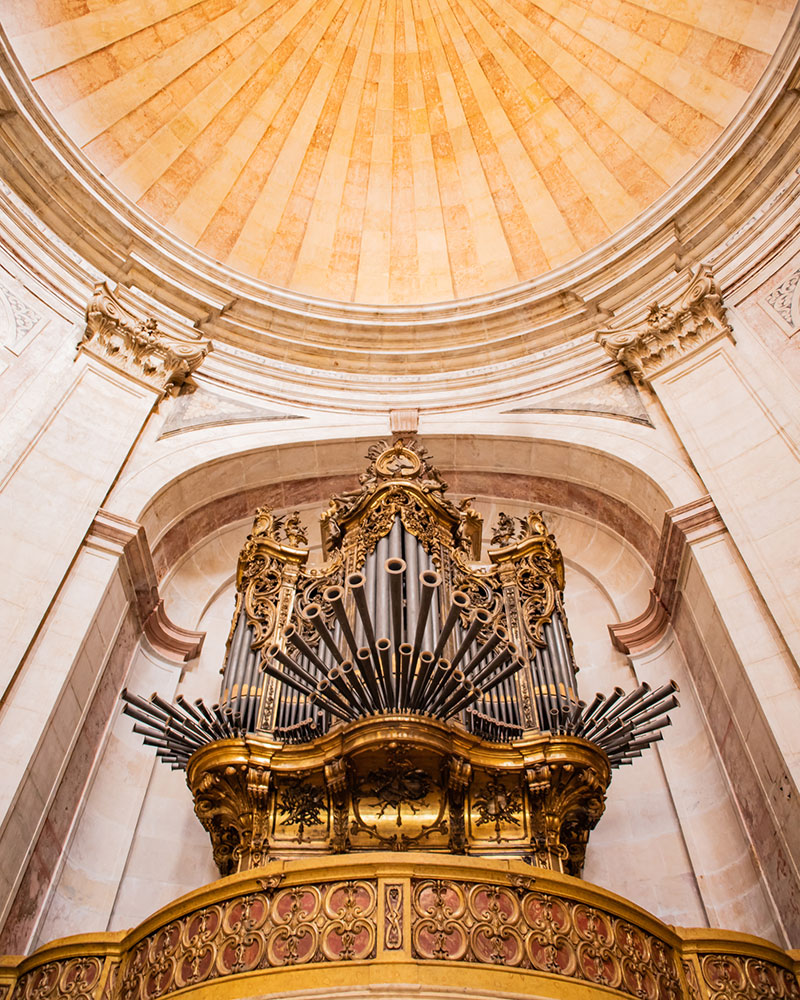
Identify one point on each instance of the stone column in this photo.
(68, 606)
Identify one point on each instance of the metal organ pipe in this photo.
(294, 638)
(355, 582)
(413, 595)
(233, 666)
(429, 583)
(367, 667)
(384, 647)
(395, 568)
(315, 615)
(379, 605)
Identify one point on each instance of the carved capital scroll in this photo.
(138, 346)
(670, 332)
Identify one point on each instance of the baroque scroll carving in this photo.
(523, 928)
(328, 922)
(137, 346)
(669, 333)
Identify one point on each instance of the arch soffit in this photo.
(626, 490)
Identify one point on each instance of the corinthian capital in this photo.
(137, 346)
(670, 331)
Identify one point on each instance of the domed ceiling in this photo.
(394, 151)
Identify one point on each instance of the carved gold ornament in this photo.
(137, 346)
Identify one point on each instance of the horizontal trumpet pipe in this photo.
(498, 636)
(343, 688)
(429, 581)
(142, 704)
(665, 691)
(384, 647)
(494, 664)
(335, 597)
(437, 676)
(293, 637)
(453, 678)
(508, 671)
(289, 680)
(356, 582)
(459, 605)
(480, 620)
(324, 690)
(370, 675)
(665, 705)
(462, 697)
(316, 616)
(425, 667)
(222, 720)
(318, 698)
(190, 709)
(405, 652)
(629, 700)
(353, 677)
(201, 707)
(276, 653)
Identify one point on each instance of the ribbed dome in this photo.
(394, 151)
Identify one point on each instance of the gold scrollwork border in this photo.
(416, 911)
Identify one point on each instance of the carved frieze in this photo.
(523, 928)
(72, 977)
(543, 931)
(670, 331)
(138, 346)
(741, 977)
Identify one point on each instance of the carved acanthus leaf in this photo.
(670, 332)
(138, 346)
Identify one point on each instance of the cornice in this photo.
(130, 540)
(691, 222)
(683, 526)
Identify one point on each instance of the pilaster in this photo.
(685, 352)
(51, 493)
(80, 583)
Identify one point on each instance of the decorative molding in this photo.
(137, 346)
(683, 526)
(170, 640)
(640, 634)
(670, 332)
(202, 409)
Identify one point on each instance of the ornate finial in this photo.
(511, 529)
(670, 333)
(137, 346)
(505, 531)
(291, 527)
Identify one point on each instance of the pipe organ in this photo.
(401, 695)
